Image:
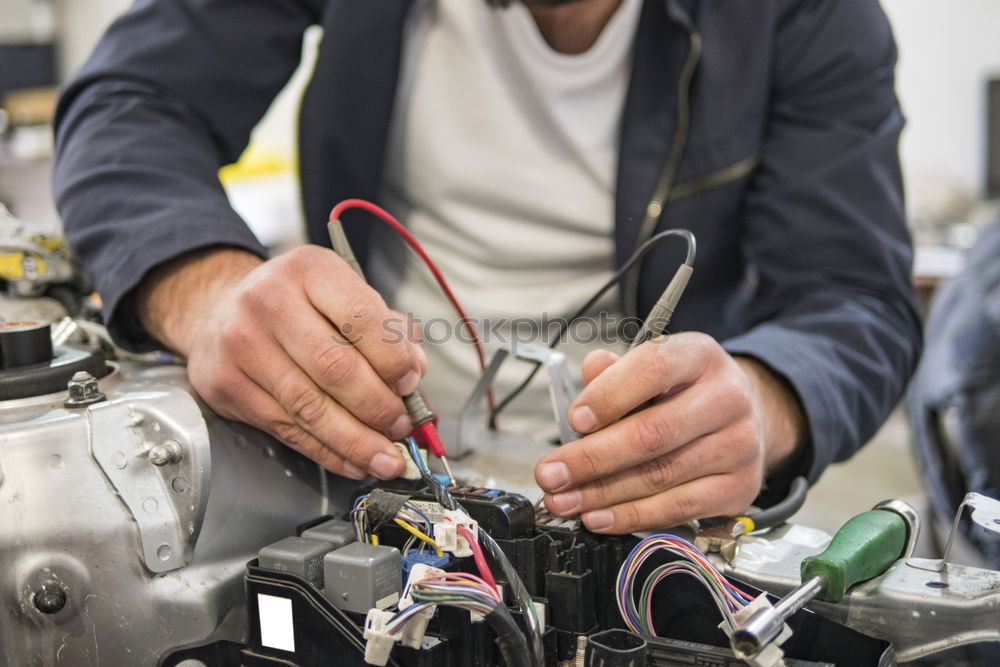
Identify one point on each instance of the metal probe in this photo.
(423, 421)
(863, 548)
(659, 317)
(420, 415)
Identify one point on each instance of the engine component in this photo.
(561, 390)
(112, 559)
(503, 515)
(335, 531)
(29, 366)
(107, 527)
(297, 555)
(412, 559)
(360, 576)
(615, 648)
(24, 344)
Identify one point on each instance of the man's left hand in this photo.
(675, 430)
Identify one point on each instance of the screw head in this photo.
(50, 598)
(168, 452)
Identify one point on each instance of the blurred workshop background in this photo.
(948, 81)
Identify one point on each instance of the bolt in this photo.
(168, 452)
(83, 391)
(50, 598)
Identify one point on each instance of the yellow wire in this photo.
(420, 536)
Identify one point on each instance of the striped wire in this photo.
(638, 617)
(450, 589)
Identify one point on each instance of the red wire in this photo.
(398, 227)
(477, 555)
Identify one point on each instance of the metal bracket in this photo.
(166, 496)
(907, 512)
(985, 512)
(562, 390)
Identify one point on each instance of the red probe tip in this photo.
(431, 437)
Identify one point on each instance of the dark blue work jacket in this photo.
(769, 128)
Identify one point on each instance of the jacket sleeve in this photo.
(833, 308)
(171, 93)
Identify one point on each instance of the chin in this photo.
(531, 3)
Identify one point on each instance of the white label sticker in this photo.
(277, 629)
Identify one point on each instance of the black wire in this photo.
(637, 256)
(520, 594)
(441, 494)
(510, 640)
(778, 514)
(517, 587)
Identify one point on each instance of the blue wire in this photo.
(430, 526)
(415, 455)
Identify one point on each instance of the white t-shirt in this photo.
(502, 160)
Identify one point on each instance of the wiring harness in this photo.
(489, 546)
(637, 614)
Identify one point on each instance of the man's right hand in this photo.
(265, 344)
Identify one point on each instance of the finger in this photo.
(417, 339)
(717, 495)
(317, 413)
(358, 311)
(713, 454)
(340, 370)
(596, 363)
(252, 405)
(643, 374)
(650, 433)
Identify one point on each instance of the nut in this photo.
(83, 391)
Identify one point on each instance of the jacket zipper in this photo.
(660, 195)
(727, 174)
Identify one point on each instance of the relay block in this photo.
(351, 604)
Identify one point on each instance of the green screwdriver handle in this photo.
(863, 548)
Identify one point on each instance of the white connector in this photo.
(416, 627)
(410, 470)
(378, 640)
(432, 510)
(447, 537)
(417, 572)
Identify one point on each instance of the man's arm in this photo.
(688, 431)
(171, 94)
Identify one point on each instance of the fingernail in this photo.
(553, 476)
(584, 420)
(352, 471)
(599, 520)
(408, 384)
(565, 503)
(401, 428)
(385, 466)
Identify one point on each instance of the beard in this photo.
(530, 3)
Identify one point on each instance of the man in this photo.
(768, 128)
